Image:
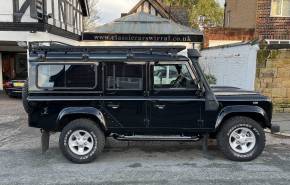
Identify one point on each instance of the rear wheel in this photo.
(241, 139)
(81, 141)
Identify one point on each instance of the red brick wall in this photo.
(228, 34)
(268, 27)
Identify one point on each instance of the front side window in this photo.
(173, 76)
(66, 76)
(124, 76)
(280, 8)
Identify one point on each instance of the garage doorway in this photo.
(14, 66)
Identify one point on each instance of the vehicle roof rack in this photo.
(108, 49)
(35, 44)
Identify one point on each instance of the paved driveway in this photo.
(21, 161)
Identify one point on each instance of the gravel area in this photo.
(21, 161)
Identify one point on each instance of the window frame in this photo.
(142, 64)
(192, 73)
(64, 64)
(281, 10)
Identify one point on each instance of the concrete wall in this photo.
(232, 65)
(273, 77)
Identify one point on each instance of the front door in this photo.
(174, 100)
(124, 88)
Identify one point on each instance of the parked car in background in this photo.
(13, 88)
(14, 73)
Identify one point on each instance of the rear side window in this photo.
(59, 76)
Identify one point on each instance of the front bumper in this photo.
(275, 128)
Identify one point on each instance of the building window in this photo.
(280, 8)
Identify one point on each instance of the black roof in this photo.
(111, 53)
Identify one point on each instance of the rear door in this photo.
(174, 101)
(124, 88)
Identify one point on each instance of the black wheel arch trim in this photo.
(242, 109)
(83, 111)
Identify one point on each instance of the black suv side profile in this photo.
(138, 93)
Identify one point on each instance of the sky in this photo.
(110, 10)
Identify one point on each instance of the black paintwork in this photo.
(144, 111)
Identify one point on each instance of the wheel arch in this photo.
(254, 112)
(71, 113)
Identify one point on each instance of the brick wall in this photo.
(268, 27)
(273, 77)
(240, 13)
(227, 34)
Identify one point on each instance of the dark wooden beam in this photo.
(15, 9)
(18, 12)
(65, 14)
(41, 27)
(75, 17)
(53, 13)
(22, 10)
(45, 18)
(142, 6)
(60, 12)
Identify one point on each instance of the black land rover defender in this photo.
(138, 93)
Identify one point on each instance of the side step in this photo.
(154, 138)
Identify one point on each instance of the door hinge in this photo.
(147, 122)
(146, 93)
(200, 122)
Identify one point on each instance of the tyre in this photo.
(81, 141)
(27, 107)
(241, 139)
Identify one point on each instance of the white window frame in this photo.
(281, 10)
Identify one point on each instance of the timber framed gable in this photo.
(58, 16)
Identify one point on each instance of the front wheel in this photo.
(241, 139)
(81, 141)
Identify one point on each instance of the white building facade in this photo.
(232, 65)
(23, 21)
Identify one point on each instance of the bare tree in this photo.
(90, 23)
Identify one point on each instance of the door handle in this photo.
(160, 106)
(112, 93)
(113, 106)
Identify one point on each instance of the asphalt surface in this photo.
(21, 161)
(283, 120)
